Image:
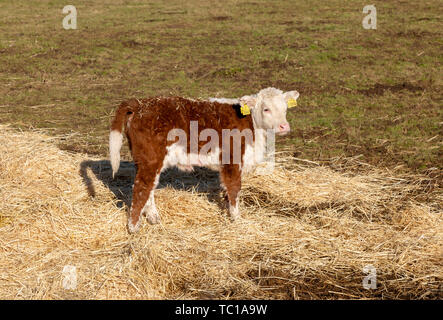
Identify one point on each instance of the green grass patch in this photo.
(369, 92)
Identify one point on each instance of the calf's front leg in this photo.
(230, 175)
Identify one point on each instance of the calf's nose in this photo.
(284, 127)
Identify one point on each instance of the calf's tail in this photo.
(116, 136)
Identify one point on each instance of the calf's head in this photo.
(268, 109)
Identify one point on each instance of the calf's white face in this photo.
(268, 109)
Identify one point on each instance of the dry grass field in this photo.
(358, 181)
(370, 93)
(307, 231)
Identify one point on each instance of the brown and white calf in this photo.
(152, 126)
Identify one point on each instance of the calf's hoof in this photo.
(134, 227)
(153, 218)
(234, 214)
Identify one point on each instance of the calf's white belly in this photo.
(176, 155)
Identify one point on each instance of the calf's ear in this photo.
(249, 100)
(291, 95)
(291, 98)
(247, 103)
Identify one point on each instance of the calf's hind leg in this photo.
(143, 196)
(150, 210)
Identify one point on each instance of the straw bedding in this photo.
(307, 231)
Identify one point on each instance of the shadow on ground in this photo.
(201, 180)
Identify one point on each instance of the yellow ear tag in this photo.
(292, 103)
(244, 109)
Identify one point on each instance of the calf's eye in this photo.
(266, 110)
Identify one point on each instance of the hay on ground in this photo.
(308, 231)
